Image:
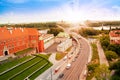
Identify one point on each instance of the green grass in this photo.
(36, 65)
(32, 77)
(29, 71)
(18, 69)
(23, 51)
(95, 55)
(59, 56)
(12, 63)
(43, 56)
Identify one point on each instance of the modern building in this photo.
(114, 37)
(13, 40)
(64, 45)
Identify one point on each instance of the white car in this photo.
(68, 66)
(65, 58)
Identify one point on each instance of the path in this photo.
(52, 58)
(101, 54)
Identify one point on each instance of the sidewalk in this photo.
(101, 54)
(52, 58)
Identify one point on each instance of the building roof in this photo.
(114, 33)
(46, 36)
(16, 32)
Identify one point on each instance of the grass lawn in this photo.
(43, 56)
(8, 65)
(32, 77)
(18, 69)
(60, 55)
(95, 55)
(35, 65)
(23, 51)
(29, 71)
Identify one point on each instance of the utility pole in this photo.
(51, 73)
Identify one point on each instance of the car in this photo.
(57, 69)
(65, 58)
(69, 57)
(61, 75)
(76, 56)
(68, 66)
(73, 60)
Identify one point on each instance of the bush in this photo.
(88, 32)
(116, 76)
(111, 55)
(55, 31)
(92, 67)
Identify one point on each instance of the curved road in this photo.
(79, 65)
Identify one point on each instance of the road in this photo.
(78, 66)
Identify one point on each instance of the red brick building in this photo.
(114, 37)
(17, 39)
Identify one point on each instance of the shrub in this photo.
(111, 55)
(92, 66)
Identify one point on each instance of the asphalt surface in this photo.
(52, 48)
(74, 72)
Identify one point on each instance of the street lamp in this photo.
(51, 73)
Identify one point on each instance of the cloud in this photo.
(72, 10)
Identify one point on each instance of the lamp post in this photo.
(51, 73)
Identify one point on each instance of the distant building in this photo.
(114, 37)
(16, 39)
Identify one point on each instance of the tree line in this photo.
(102, 23)
(32, 25)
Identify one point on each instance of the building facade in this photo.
(114, 37)
(64, 45)
(48, 40)
(16, 39)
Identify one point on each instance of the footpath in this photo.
(101, 54)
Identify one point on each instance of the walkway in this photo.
(101, 54)
(52, 58)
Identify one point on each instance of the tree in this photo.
(55, 31)
(105, 42)
(91, 67)
(115, 66)
(102, 72)
(115, 48)
(111, 55)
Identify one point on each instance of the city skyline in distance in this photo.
(25, 11)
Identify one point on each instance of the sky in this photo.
(26, 11)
